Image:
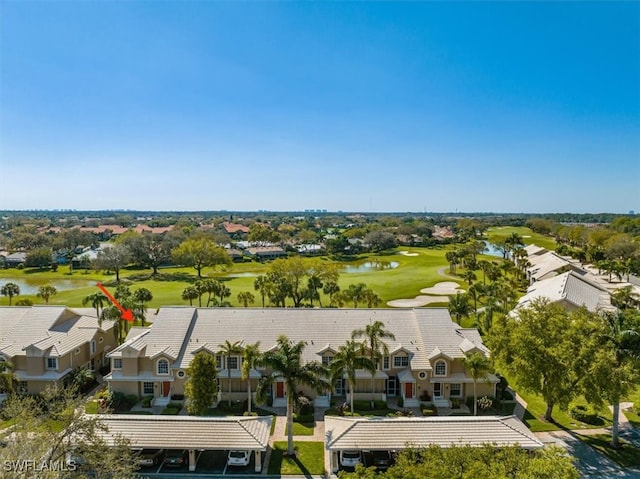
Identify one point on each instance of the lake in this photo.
(31, 287)
(370, 266)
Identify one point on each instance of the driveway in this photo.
(591, 463)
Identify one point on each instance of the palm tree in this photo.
(120, 326)
(373, 335)
(349, 358)
(286, 364)
(10, 290)
(97, 301)
(263, 285)
(356, 293)
(331, 288)
(452, 258)
(459, 306)
(314, 285)
(250, 357)
(477, 366)
(228, 349)
(245, 298)
(142, 296)
(469, 276)
(45, 292)
(371, 298)
(8, 378)
(189, 294)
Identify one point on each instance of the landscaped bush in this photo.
(455, 403)
(252, 413)
(400, 401)
(366, 405)
(586, 414)
(170, 411)
(120, 402)
(303, 418)
(146, 401)
(175, 405)
(305, 405)
(429, 411)
(425, 397)
(177, 397)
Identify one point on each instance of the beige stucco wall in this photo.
(125, 387)
(130, 366)
(35, 366)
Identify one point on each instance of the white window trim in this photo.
(327, 360)
(144, 391)
(459, 395)
(158, 367)
(435, 368)
(46, 363)
(115, 362)
(396, 362)
(388, 360)
(92, 347)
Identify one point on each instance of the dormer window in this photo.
(218, 362)
(52, 363)
(440, 368)
(400, 361)
(233, 362)
(326, 360)
(163, 366)
(117, 363)
(386, 363)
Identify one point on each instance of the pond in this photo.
(492, 250)
(370, 266)
(241, 275)
(31, 286)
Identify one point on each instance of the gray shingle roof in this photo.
(397, 433)
(187, 432)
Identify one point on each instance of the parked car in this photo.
(238, 458)
(149, 457)
(381, 460)
(176, 458)
(350, 458)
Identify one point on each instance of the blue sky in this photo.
(354, 106)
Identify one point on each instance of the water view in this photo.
(31, 287)
(370, 266)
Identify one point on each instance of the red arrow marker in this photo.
(126, 313)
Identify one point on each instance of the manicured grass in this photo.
(626, 456)
(301, 429)
(536, 407)
(309, 459)
(412, 274)
(528, 237)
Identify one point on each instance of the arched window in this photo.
(163, 366)
(441, 368)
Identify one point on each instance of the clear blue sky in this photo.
(363, 106)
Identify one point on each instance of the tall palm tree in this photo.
(8, 378)
(142, 296)
(250, 357)
(263, 286)
(459, 305)
(46, 291)
(189, 294)
(245, 298)
(120, 326)
(228, 349)
(285, 362)
(314, 285)
(477, 366)
(97, 300)
(349, 358)
(374, 335)
(10, 290)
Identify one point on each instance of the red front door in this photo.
(408, 390)
(279, 390)
(166, 386)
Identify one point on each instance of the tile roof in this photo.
(55, 330)
(549, 262)
(188, 432)
(183, 331)
(570, 287)
(398, 433)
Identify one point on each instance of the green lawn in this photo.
(626, 456)
(301, 429)
(309, 459)
(405, 281)
(528, 237)
(633, 418)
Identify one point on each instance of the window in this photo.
(147, 388)
(400, 361)
(326, 360)
(441, 368)
(456, 390)
(52, 363)
(163, 366)
(23, 387)
(385, 363)
(422, 375)
(117, 363)
(93, 347)
(233, 362)
(101, 340)
(181, 374)
(218, 361)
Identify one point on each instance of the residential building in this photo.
(550, 264)
(46, 343)
(425, 361)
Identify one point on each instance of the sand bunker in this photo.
(406, 253)
(445, 287)
(416, 302)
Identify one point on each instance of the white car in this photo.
(238, 458)
(350, 458)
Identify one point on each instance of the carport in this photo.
(395, 434)
(250, 433)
